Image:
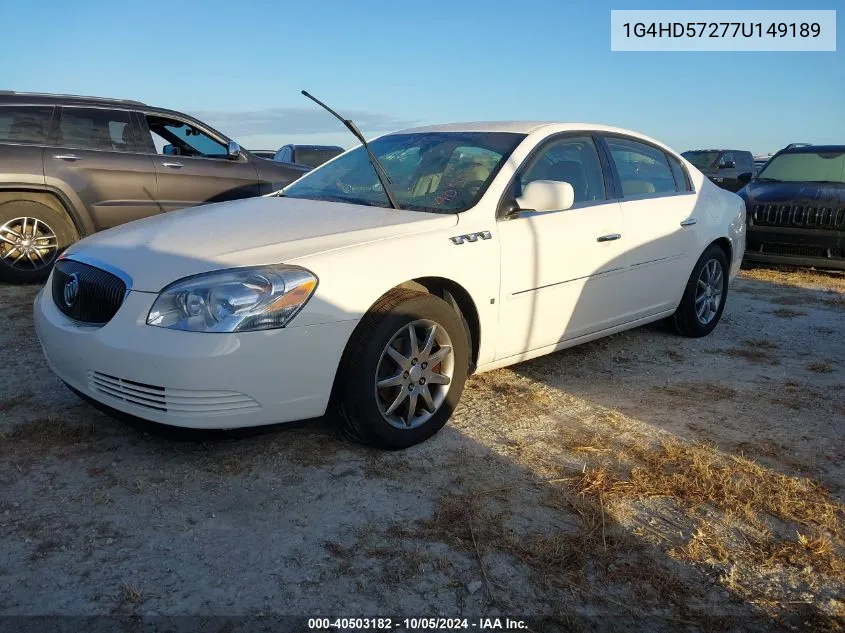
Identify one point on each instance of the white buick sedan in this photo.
(507, 241)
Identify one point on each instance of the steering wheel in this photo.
(469, 191)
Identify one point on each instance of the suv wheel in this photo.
(403, 371)
(31, 237)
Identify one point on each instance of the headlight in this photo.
(237, 300)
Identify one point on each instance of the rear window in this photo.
(702, 160)
(24, 124)
(806, 167)
(314, 157)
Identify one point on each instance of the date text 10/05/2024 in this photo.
(417, 624)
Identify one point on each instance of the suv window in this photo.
(185, 139)
(643, 169)
(96, 128)
(726, 159)
(283, 155)
(24, 124)
(745, 162)
(572, 159)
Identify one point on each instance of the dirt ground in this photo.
(640, 482)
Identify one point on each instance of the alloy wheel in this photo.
(413, 374)
(708, 292)
(27, 244)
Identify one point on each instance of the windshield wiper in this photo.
(765, 179)
(381, 174)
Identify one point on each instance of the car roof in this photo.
(814, 149)
(530, 127)
(312, 146)
(43, 98)
(716, 150)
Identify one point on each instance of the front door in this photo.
(193, 166)
(96, 152)
(561, 271)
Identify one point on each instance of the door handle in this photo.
(173, 165)
(609, 238)
(68, 157)
(689, 222)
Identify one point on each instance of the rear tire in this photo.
(395, 400)
(32, 236)
(704, 297)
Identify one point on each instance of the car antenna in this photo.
(383, 178)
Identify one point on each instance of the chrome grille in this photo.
(174, 401)
(799, 216)
(99, 294)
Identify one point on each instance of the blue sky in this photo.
(241, 65)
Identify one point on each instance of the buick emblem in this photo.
(71, 291)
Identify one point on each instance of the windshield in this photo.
(702, 160)
(316, 156)
(438, 172)
(806, 167)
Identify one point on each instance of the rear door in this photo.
(96, 152)
(658, 209)
(23, 134)
(196, 168)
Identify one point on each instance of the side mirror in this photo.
(745, 178)
(727, 165)
(170, 150)
(546, 195)
(234, 150)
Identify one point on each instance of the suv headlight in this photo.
(236, 300)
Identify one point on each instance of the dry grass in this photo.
(798, 277)
(15, 401)
(820, 366)
(46, 432)
(697, 474)
(788, 313)
(757, 351)
(130, 594)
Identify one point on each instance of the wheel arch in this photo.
(725, 244)
(461, 301)
(52, 198)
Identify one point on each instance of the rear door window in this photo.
(97, 129)
(643, 169)
(26, 125)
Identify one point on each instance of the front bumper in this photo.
(192, 379)
(798, 246)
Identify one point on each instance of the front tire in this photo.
(403, 370)
(704, 297)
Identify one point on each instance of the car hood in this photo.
(156, 251)
(811, 193)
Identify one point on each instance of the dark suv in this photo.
(730, 169)
(70, 166)
(796, 208)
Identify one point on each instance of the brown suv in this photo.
(70, 166)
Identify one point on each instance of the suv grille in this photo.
(799, 215)
(98, 294)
